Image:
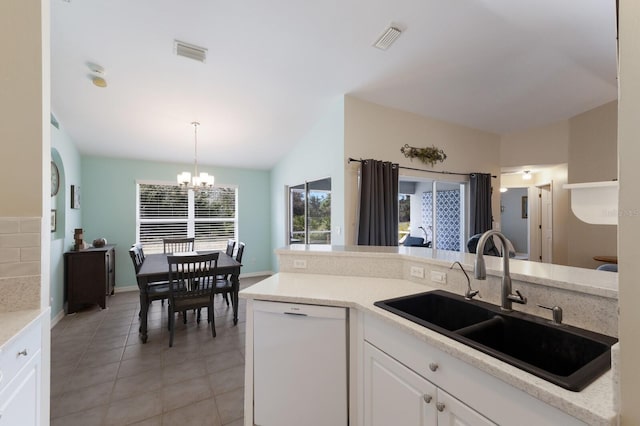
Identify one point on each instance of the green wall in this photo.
(108, 203)
(318, 155)
(67, 158)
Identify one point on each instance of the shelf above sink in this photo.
(567, 356)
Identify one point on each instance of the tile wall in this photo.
(19, 263)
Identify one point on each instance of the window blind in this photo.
(168, 211)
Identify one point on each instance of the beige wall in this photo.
(629, 224)
(587, 143)
(21, 102)
(24, 134)
(593, 157)
(545, 145)
(593, 151)
(556, 176)
(374, 131)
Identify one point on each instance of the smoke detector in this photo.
(387, 38)
(97, 74)
(190, 51)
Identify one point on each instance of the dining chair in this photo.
(192, 280)
(231, 244)
(154, 291)
(178, 245)
(223, 283)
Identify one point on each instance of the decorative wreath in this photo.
(428, 155)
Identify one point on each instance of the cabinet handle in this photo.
(440, 406)
(427, 398)
(23, 352)
(433, 366)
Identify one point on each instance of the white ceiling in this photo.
(275, 67)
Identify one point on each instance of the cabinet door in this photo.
(452, 412)
(394, 394)
(20, 400)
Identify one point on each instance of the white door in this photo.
(546, 223)
(452, 412)
(394, 394)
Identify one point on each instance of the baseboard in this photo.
(118, 289)
(57, 318)
(256, 274)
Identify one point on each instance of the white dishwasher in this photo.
(300, 364)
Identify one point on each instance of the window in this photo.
(310, 212)
(168, 211)
(404, 216)
(441, 220)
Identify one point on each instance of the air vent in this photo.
(387, 39)
(190, 51)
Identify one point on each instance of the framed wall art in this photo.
(75, 197)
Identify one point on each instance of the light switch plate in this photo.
(417, 272)
(438, 277)
(299, 263)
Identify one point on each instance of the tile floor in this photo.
(101, 373)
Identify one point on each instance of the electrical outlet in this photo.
(438, 277)
(417, 272)
(299, 263)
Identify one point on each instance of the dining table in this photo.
(155, 268)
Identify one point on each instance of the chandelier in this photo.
(202, 180)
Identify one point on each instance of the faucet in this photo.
(426, 236)
(470, 293)
(480, 270)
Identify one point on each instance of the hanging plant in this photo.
(428, 155)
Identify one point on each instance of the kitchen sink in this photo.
(567, 356)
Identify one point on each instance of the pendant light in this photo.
(202, 180)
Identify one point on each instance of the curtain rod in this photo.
(422, 170)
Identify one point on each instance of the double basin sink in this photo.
(567, 356)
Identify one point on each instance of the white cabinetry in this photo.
(21, 378)
(396, 395)
(401, 372)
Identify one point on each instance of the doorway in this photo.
(514, 209)
(541, 223)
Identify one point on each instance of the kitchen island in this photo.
(590, 298)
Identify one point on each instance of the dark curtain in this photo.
(480, 198)
(378, 222)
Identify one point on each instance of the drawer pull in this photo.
(433, 366)
(440, 406)
(427, 398)
(23, 352)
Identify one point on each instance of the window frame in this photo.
(190, 219)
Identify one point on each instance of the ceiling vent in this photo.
(387, 38)
(190, 51)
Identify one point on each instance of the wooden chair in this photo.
(178, 245)
(192, 280)
(231, 244)
(154, 291)
(223, 283)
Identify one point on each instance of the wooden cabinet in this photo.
(21, 378)
(394, 394)
(89, 277)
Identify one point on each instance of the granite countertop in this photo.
(589, 281)
(594, 405)
(13, 322)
